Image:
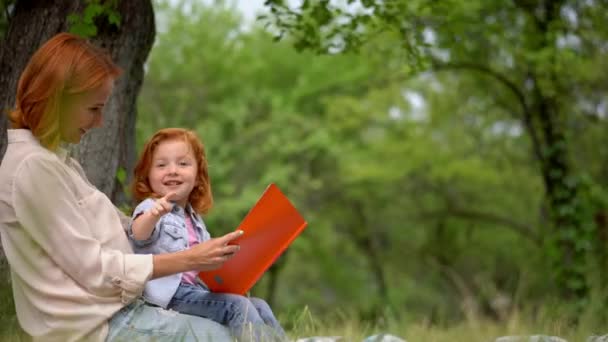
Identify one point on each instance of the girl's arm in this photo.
(143, 225)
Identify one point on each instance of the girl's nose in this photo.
(172, 168)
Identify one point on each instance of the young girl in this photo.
(172, 183)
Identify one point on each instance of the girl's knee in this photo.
(242, 304)
(264, 310)
(259, 303)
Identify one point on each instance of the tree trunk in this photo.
(368, 242)
(561, 180)
(564, 199)
(103, 151)
(273, 276)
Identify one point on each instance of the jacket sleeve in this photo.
(140, 209)
(50, 213)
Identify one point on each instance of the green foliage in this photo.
(121, 175)
(419, 191)
(417, 167)
(535, 60)
(84, 24)
(9, 330)
(6, 7)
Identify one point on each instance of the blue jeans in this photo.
(247, 318)
(141, 322)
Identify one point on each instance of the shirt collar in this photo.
(25, 135)
(62, 153)
(188, 211)
(21, 135)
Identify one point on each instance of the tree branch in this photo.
(470, 304)
(521, 98)
(468, 214)
(526, 114)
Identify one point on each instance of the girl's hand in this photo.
(163, 205)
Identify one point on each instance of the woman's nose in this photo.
(98, 120)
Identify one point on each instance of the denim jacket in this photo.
(169, 235)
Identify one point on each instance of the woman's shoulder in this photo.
(38, 168)
(22, 145)
(37, 159)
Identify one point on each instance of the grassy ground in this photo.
(9, 328)
(541, 322)
(304, 324)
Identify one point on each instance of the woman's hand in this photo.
(205, 256)
(211, 254)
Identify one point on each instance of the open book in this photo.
(270, 227)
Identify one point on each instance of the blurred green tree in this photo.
(539, 62)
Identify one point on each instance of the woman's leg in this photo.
(141, 322)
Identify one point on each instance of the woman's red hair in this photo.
(64, 66)
(200, 198)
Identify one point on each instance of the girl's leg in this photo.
(266, 314)
(234, 311)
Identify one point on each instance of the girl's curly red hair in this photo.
(200, 198)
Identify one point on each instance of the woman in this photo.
(73, 272)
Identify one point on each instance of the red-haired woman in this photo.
(74, 275)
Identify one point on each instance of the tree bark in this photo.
(106, 150)
(368, 242)
(562, 189)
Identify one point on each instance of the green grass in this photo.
(9, 328)
(541, 322)
(551, 320)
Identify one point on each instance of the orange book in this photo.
(270, 227)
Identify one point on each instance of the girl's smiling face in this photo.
(174, 169)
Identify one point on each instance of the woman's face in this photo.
(85, 111)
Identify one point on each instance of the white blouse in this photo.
(71, 264)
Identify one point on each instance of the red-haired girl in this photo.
(172, 183)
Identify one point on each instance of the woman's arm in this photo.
(53, 219)
(125, 220)
(59, 224)
(205, 256)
